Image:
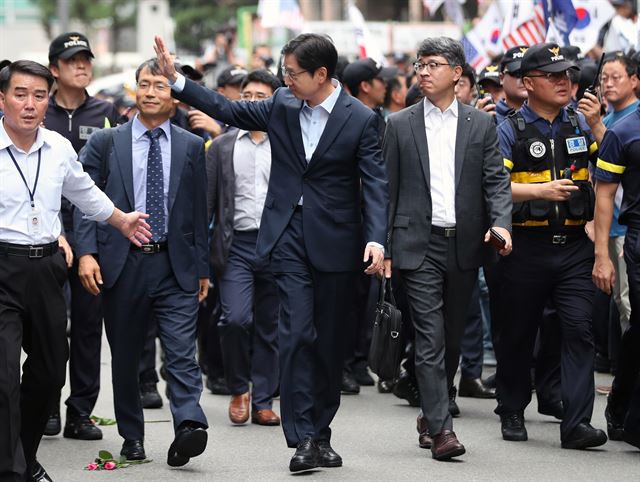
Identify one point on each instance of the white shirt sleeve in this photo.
(178, 85)
(79, 188)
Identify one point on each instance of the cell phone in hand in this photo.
(496, 239)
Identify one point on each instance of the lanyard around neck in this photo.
(32, 193)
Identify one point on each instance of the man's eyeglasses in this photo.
(159, 86)
(429, 66)
(552, 76)
(253, 96)
(291, 74)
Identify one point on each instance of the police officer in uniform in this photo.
(547, 148)
(618, 163)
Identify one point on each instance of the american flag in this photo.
(525, 23)
(476, 59)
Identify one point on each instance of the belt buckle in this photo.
(449, 232)
(148, 248)
(36, 252)
(559, 239)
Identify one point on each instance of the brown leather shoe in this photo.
(265, 417)
(239, 408)
(446, 445)
(424, 439)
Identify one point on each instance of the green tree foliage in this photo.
(198, 20)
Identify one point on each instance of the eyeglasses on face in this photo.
(159, 86)
(429, 66)
(253, 96)
(552, 76)
(613, 78)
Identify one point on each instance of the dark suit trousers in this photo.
(249, 322)
(471, 346)
(33, 316)
(547, 373)
(313, 321)
(438, 293)
(85, 342)
(625, 394)
(535, 272)
(147, 289)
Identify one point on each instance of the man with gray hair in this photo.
(448, 187)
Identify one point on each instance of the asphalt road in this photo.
(374, 433)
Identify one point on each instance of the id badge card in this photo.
(35, 222)
(576, 145)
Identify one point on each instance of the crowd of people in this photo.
(247, 228)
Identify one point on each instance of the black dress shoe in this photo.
(631, 438)
(553, 409)
(362, 377)
(306, 457)
(615, 425)
(454, 410)
(328, 456)
(39, 474)
(584, 436)
(133, 450)
(80, 427)
(407, 388)
(149, 395)
(513, 428)
(218, 386)
(190, 441)
(475, 388)
(54, 425)
(349, 384)
(490, 381)
(385, 386)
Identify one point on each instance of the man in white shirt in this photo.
(447, 188)
(37, 167)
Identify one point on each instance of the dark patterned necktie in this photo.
(155, 186)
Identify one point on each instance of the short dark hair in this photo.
(26, 67)
(467, 71)
(262, 76)
(313, 51)
(152, 65)
(393, 85)
(444, 46)
(629, 63)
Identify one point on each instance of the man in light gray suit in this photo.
(447, 187)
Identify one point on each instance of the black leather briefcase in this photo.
(386, 343)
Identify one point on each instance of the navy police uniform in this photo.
(551, 260)
(619, 162)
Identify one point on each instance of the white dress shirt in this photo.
(252, 168)
(140, 144)
(60, 175)
(441, 129)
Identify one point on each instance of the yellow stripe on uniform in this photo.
(607, 166)
(593, 147)
(507, 163)
(530, 177)
(532, 223)
(580, 174)
(107, 124)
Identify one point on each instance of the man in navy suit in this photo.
(325, 159)
(159, 168)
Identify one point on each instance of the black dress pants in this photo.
(625, 392)
(538, 270)
(33, 316)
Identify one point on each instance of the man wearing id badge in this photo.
(547, 148)
(37, 167)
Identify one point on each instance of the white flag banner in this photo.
(592, 15)
(432, 6)
(280, 13)
(486, 35)
(621, 35)
(523, 23)
(368, 46)
(553, 35)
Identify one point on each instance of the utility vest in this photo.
(538, 159)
